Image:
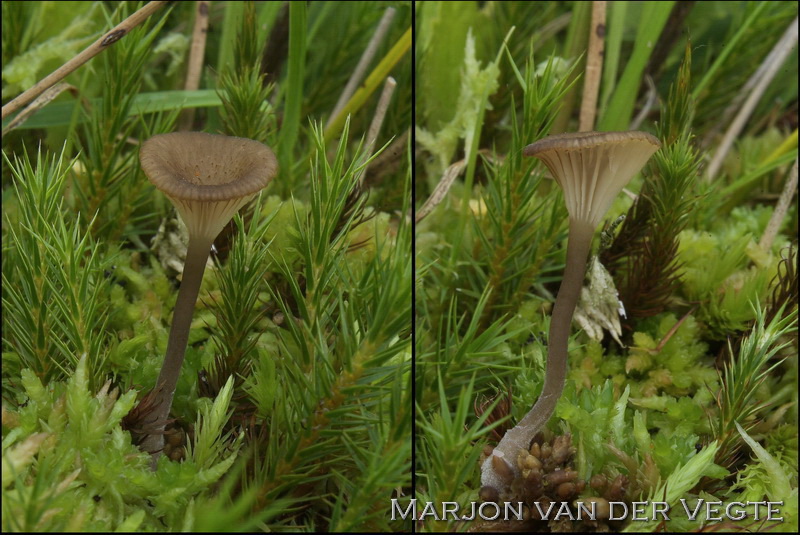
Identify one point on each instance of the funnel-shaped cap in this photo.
(593, 167)
(207, 177)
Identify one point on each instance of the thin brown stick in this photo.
(42, 101)
(672, 332)
(363, 63)
(106, 40)
(736, 102)
(377, 120)
(773, 62)
(440, 192)
(196, 55)
(441, 189)
(594, 66)
(650, 101)
(781, 208)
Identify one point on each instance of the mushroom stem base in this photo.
(196, 258)
(519, 438)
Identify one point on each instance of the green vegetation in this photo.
(699, 398)
(293, 409)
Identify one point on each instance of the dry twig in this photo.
(363, 63)
(594, 66)
(780, 210)
(768, 70)
(377, 120)
(42, 101)
(440, 192)
(196, 55)
(650, 101)
(106, 40)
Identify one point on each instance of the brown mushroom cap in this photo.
(207, 177)
(593, 167)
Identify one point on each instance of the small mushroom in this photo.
(208, 178)
(591, 168)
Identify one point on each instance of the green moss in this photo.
(726, 287)
(282, 232)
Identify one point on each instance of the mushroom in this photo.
(208, 178)
(591, 168)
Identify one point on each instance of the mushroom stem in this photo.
(591, 168)
(196, 258)
(578, 247)
(519, 438)
(208, 178)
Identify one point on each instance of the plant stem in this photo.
(380, 72)
(594, 66)
(780, 211)
(363, 63)
(377, 122)
(196, 56)
(196, 258)
(772, 64)
(520, 437)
